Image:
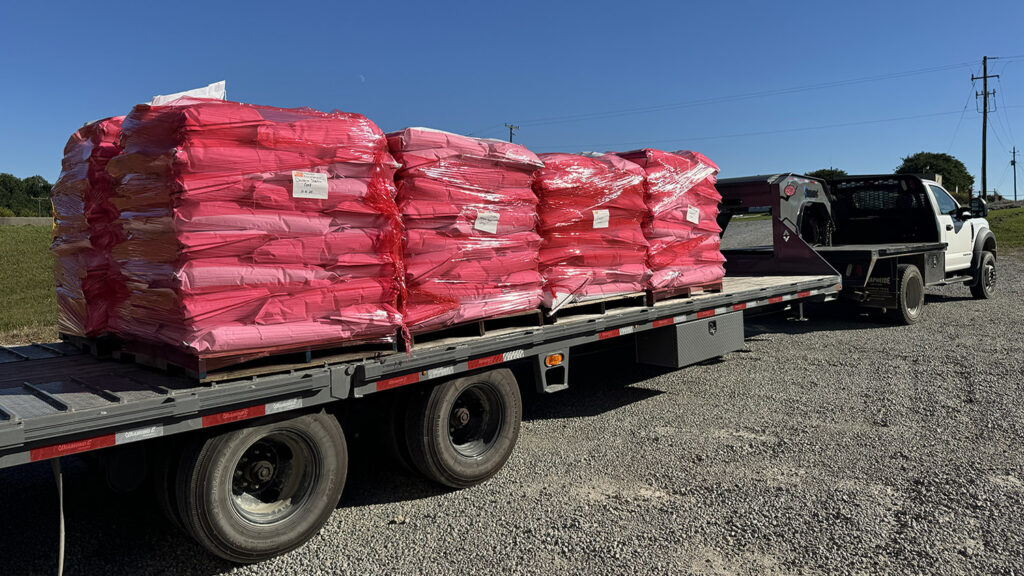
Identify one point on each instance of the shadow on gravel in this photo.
(106, 532)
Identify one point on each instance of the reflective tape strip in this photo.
(439, 372)
(608, 334)
(736, 307)
(398, 381)
(803, 294)
(626, 330)
(664, 322)
(705, 314)
(486, 361)
(775, 300)
(515, 355)
(283, 405)
(73, 447)
(139, 434)
(234, 415)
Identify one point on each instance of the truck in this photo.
(250, 461)
(889, 235)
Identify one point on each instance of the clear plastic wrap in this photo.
(591, 214)
(682, 223)
(84, 229)
(470, 215)
(251, 228)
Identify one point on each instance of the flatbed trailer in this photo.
(251, 461)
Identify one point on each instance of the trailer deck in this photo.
(56, 400)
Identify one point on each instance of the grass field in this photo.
(1008, 226)
(28, 309)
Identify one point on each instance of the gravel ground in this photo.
(835, 446)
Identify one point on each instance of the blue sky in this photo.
(757, 86)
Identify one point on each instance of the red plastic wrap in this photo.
(470, 216)
(591, 214)
(84, 230)
(251, 228)
(681, 226)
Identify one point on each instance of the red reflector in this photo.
(398, 381)
(790, 190)
(705, 314)
(488, 361)
(234, 415)
(608, 334)
(663, 322)
(75, 447)
(804, 294)
(775, 300)
(739, 306)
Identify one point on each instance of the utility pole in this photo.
(984, 118)
(39, 204)
(1013, 164)
(511, 130)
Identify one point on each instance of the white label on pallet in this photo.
(693, 214)
(487, 221)
(601, 218)
(439, 372)
(309, 185)
(139, 434)
(284, 405)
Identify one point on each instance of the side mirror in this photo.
(978, 207)
(964, 213)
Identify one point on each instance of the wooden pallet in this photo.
(598, 306)
(655, 296)
(101, 346)
(212, 367)
(526, 319)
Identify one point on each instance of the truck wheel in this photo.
(463, 431)
(911, 294)
(985, 287)
(252, 493)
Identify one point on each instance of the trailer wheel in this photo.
(985, 287)
(252, 493)
(911, 294)
(463, 431)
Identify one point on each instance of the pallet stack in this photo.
(591, 214)
(681, 224)
(470, 217)
(251, 228)
(85, 229)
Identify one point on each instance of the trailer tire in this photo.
(254, 492)
(462, 431)
(910, 298)
(985, 287)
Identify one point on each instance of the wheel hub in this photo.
(461, 417)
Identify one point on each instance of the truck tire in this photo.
(462, 431)
(254, 492)
(910, 297)
(985, 287)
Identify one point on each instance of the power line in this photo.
(962, 113)
(762, 132)
(736, 97)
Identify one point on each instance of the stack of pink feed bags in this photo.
(591, 214)
(681, 225)
(85, 229)
(470, 217)
(250, 228)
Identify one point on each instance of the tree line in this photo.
(24, 196)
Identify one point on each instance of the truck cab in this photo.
(888, 235)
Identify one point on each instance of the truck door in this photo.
(953, 231)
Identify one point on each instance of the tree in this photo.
(827, 174)
(955, 177)
(19, 195)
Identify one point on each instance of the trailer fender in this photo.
(984, 242)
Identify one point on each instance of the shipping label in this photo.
(487, 221)
(309, 185)
(601, 218)
(693, 214)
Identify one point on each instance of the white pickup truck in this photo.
(888, 235)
